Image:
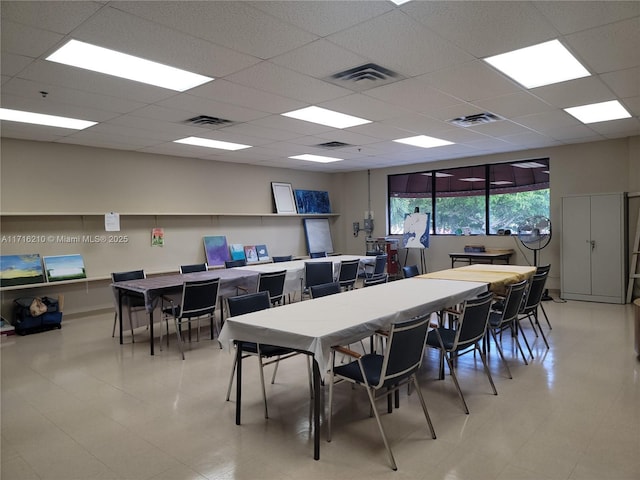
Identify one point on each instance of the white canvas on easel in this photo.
(416, 235)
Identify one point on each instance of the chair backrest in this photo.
(317, 254)
(235, 263)
(381, 264)
(273, 283)
(316, 273)
(348, 272)
(513, 301)
(325, 289)
(199, 297)
(376, 279)
(405, 350)
(472, 324)
(410, 271)
(282, 258)
(196, 267)
(130, 275)
(251, 302)
(535, 293)
(543, 268)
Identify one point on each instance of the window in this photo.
(481, 199)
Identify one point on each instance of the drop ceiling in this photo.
(271, 57)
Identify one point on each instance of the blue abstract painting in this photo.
(216, 249)
(312, 201)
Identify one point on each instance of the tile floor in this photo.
(77, 405)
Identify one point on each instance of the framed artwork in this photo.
(21, 270)
(318, 235)
(312, 201)
(216, 249)
(64, 267)
(283, 197)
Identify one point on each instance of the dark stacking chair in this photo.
(470, 330)
(325, 289)
(375, 280)
(500, 321)
(317, 254)
(235, 263)
(273, 282)
(410, 271)
(530, 307)
(266, 354)
(130, 303)
(196, 267)
(381, 375)
(348, 273)
(282, 258)
(199, 300)
(316, 273)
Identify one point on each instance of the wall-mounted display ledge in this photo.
(166, 214)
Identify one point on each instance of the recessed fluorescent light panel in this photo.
(438, 174)
(400, 2)
(599, 112)
(316, 158)
(207, 142)
(501, 182)
(471, 179)
(538, 65)
(326, 117)
(424, 141)
(528, 165)
(42, 119)
(103, 60)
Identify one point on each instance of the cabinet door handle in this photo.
(593, 245)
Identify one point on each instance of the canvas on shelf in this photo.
(312, 201)
(237, 251)
(251, 253)
(216, 250)
(21, 269)
(64, 267)
(263, 254)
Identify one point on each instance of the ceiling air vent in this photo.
(475, 120)
(208, 121)
(332, 145)
(364, 77)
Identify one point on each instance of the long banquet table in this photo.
(314, 326)
(152, 288)
(497, 276)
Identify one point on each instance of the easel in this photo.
(423, 258)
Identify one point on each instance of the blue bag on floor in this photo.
(25, 322)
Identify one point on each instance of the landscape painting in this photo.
(20, 270)
(216, 249)
(64, 267)
(312, 201)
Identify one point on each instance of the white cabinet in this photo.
(593, 248)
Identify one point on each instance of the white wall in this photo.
(72, 180)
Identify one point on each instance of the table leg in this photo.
(120, 314)
(316, 410)
(151, 331)
(238, 380)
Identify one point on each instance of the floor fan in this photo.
(535, 234)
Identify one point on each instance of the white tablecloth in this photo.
(316, 325)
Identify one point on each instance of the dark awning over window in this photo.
(503, 178)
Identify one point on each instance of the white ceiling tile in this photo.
(365, 107)
(471, 81)
(624, 83)
(287, 83)
(27, 41)
(59, 17)
(570, 17)
(507, 25)
(14, 64)
(235, 25)
(414, 94)
(323, 18)
(574, 92)
(400, 44)
(201, 106)
(547, 122)
(608, 48)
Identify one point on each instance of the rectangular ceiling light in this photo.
(400, 2)
(501, 182)
(104, 60)
(538, 65)
(43, 119)
(438, 174)
(317, 158)
(424, 141)
(326, 117)
(207, 142)
(471, 179)
(599, 112)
